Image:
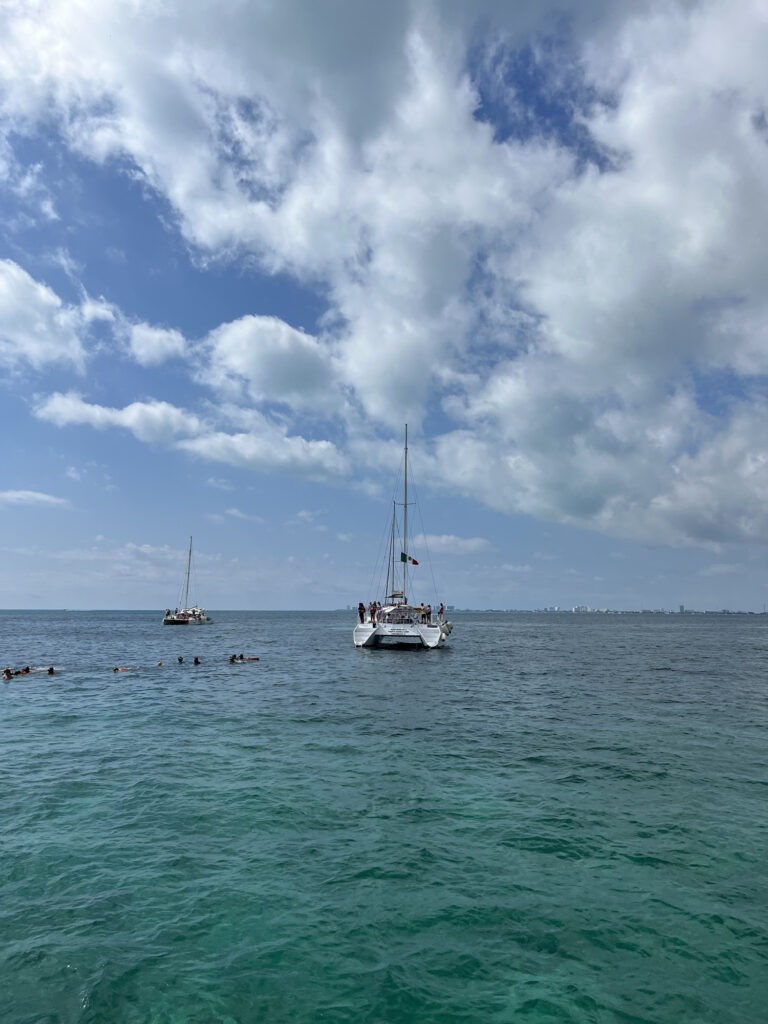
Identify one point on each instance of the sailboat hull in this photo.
(367, 634)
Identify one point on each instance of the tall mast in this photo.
(405, 518)
(391, 559)
(186, 582)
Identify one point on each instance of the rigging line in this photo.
(378, 565)
(382, 556)
(417, 503)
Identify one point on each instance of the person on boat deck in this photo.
(440, 611)
(361, 611)
(429, 614)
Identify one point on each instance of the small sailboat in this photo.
(397, 623)
(185, 614)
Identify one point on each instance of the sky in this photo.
(242, 245)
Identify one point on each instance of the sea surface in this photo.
(555, 818)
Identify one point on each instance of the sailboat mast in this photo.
(405, 518)
(391, 559)
(186, 582)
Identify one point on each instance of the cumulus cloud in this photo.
(148, 421)
(36, 327)
(271, 450)
(153, 345)
(274, 362)
(569, 294)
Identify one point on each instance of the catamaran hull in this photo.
(383, 635)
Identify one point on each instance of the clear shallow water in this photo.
(554, 819)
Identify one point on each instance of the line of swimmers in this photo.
(234, 659)
(9, 673)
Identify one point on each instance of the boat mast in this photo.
(391, 559)
(186, 582)
(405, 518)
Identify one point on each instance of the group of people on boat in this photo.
(185, 614)
(400, 613)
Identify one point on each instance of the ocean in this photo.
(556, 818)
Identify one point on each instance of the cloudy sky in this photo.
(243, 244)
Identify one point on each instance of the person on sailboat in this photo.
(429, 614)
(361, 611)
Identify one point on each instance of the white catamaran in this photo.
(397, 623)
(185, 615)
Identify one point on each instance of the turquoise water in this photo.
(556, 818)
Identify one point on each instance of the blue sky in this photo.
(238, 253)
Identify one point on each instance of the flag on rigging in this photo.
(407, 558)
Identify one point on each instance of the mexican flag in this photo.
(407, 558)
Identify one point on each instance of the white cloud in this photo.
(31, 498)
(274, 362)
(36, 327)
(235, 513)
(148, 421)
(567, 320)
(151, 346)
(449, 544)
(270, 449)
